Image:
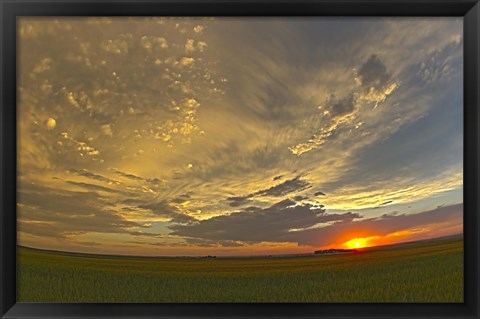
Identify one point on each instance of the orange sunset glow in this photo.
(212, 136)
(356, 243)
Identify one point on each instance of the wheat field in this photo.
(428, 271)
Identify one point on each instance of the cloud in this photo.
(373, 74)
(107, 130)
(443, 63)
(375, 80)
(51, 123)
(146, 234)
(289, 186)
(299, 198)
(340, 115)
(49, 212)
(159, 208)
(236, 201)
(286, 222)
(181, 198)
(164, 209)
(381, 226)
(94, 187)
(340, 107)
(192, 136)
(92, 175)
(260, 225)
(394, 213)
(128, 175)
(212, 243)
(190, 46)
(293, 185)
(386, 203)
(186, 61)
(198, 29)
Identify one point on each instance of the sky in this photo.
(238, 136)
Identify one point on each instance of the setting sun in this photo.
(356, 243)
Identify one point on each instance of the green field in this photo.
(428, 271)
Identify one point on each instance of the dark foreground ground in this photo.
(426, 271)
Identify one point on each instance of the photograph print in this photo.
(246, 159)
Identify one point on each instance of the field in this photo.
(427, 271)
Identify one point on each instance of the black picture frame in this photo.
(10, 10)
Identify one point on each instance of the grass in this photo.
(428, 271)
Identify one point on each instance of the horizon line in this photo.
(223, 256)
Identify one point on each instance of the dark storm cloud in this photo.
(273, 224)
(340, 107)
(319, 194)
(387, 202)
(380, 226)
(164, 209)
(373, 74)
(237, 201)
(269, 224)
(277, 177)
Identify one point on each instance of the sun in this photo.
(356, 243)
